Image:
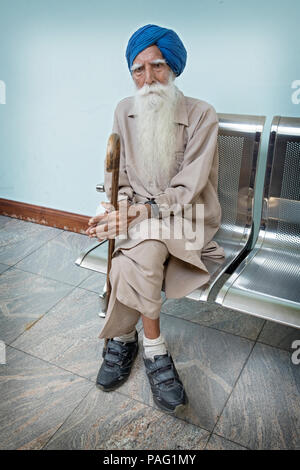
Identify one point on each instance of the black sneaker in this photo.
(117, 363)
(167, 388)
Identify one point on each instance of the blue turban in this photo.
(165, 39)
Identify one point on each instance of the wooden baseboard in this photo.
(44, 216)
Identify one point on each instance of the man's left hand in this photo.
(111, 224)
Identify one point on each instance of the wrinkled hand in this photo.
(115, 222)
(94, 221)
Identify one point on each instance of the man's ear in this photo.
(172, 74)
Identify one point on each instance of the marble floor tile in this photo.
(56, 259)
(24, 299)
(95, 282)
(215, 316)
(112, 421)
(18, 239)
(219, 443)
(3, 267)
(36, 398)
(4, 220)
(263, 411)
(68, 335)
(208, 362)
(280, 336)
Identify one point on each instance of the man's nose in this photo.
(149, 76)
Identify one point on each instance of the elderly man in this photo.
(169, 160)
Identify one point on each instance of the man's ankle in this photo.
(154, 347)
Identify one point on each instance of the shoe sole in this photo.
(121, 382)
(105, 389)
(176, 410)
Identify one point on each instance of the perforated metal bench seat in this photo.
(238, 143)
(267, 282)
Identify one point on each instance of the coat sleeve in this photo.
(125, 190)
(186, 186)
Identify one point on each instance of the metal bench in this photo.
(267, 282)
(238, 143)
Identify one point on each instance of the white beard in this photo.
(156, 131)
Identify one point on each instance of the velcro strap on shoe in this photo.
(114, 353)
(116, 347)
(113, 358)
(164, 361)
(164, 376)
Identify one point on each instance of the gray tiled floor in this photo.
(242, 386)
(19, 239)
(55, 259)
(3, 267)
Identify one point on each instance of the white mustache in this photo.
(157, 88)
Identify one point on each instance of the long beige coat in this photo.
(194, 181)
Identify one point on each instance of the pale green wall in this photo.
(64, 68)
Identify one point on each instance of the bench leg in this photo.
(103, 307)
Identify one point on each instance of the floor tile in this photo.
(95, 282)
(112, 421)
(219, 443)
(263, 411)
(48, 401)
(208, 362)
(18, 239)
(36, 398)
(68, 335)
(278, 335)
(4, 220)
(24, 299)
(213, 315)
(3, 267)
(56, 259)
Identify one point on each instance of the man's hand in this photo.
(116, 222)
(94, 221)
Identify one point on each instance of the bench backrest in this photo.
(267, 282)
(281, 205)
(238, 144)
(239, 139)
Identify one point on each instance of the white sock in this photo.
(127, 338)
(154, 347)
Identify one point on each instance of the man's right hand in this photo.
(94, 221)
(114, 223)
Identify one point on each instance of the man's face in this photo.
(149, 67)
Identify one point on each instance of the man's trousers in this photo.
(136, 278)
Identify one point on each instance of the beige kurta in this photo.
(194, 182)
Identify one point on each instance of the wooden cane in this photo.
(112, 166)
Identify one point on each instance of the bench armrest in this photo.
(100, 188)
